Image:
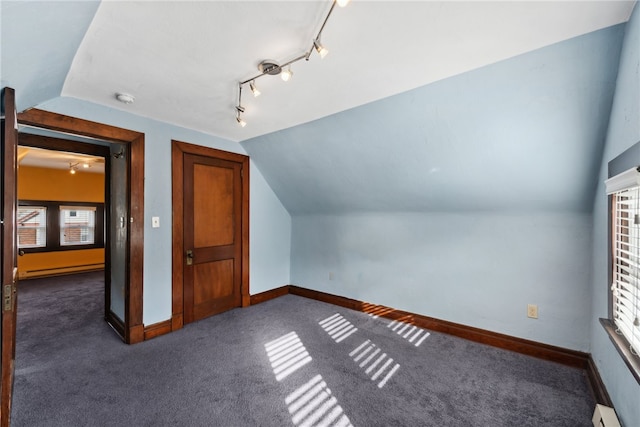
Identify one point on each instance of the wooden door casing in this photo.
(133, 328)
(212, 220)
(8, 253)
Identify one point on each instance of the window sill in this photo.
(631, 360)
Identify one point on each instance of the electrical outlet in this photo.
(532, 311)
(331, 275)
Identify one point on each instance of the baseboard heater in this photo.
(60, 270)
(604, 416)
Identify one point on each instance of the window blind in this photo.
(625, 192)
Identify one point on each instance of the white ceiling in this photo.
(182, 60)
(50, 159)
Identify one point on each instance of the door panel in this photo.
(118, 236)
(8, 252)
(213, 235)
(213, 219)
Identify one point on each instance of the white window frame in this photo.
(623, 324)
(89, 230)
(41, 229)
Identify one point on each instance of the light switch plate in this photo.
(155, 222)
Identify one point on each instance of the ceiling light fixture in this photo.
(286, 74)
(322, 51)
(240, 110)
(254, 89)
(272, 68)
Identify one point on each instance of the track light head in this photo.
(286, 74)
(240, 110)
(323, 51)
(254, 89)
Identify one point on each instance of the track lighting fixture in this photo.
(239, 111)
(286, 74)
(272, 68)
(73, 168)
(254, 89)
(323, 51)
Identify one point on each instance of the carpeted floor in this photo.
(287, 362)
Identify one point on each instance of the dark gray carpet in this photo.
(352, 369)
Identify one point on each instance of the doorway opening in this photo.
(63, 201)
(123, 151)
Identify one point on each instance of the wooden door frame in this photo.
(133, 328)
(178, 150)
(9, 252)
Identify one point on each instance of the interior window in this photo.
(32, 226)
(77, 225)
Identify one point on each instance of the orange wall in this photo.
(59, 185)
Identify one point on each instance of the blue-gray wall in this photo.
(478, 268)
(270, 223)
(624, 131)
(465, 200)
(39, 42)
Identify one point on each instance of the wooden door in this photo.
(8, 252)
(212, 235)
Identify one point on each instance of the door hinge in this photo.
(8, 297)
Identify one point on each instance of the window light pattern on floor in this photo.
(377, 366)
(337, 327)
(374, 310)
(286, 354)
(409, 332)
(313, 405)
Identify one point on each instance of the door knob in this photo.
(189, 257)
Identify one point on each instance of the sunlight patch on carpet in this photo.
(337, 327)
(374, 310)
(410, 332)
(286, 354)
(313, 405)
(377, 366)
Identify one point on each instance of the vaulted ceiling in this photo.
(420, 105)
(182, 60)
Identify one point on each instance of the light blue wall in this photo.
(270, 228)
(478, 269)
(39, 41)
(464, 200)
(624, 131)
(525, 133)
(269, 221)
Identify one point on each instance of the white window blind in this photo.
(77, 225)
(32, 226)
(625, 192)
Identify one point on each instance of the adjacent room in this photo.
(321, 213)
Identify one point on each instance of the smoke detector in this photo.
(125, 98)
